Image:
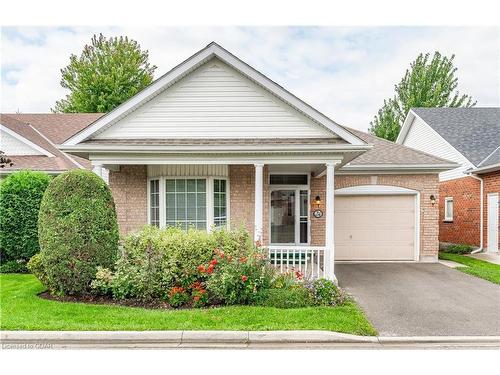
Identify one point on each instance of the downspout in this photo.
(481, 217)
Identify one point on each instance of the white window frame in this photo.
(209, 197)
(447, 216)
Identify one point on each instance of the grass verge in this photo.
(22, 309)
(476, 267)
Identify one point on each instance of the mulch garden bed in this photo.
(104, 300)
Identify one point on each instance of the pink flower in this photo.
(244, 278)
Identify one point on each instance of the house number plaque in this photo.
(317, 214)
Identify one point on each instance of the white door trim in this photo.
(492, 219)
(389, 190)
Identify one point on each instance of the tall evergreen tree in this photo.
(426, 84)
(107, 73)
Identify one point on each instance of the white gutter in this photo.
(481, 195)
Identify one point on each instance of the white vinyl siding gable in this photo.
(422, 137)
(13, 146)
(215, 101)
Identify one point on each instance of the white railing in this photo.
(308, 260)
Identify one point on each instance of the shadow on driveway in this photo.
(422, 299)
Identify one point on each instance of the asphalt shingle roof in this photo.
(60, 161)
(474, 132)
(386, 152)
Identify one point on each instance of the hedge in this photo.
(78, 232)
(20, 197)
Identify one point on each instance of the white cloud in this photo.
(344, 72)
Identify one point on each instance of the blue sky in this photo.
(345, 73)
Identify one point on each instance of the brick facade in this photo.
(129, 188)
(426, 184)
(464, 228)
(466, 193)
(491, 184)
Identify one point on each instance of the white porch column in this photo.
(329, 218)
(97, 169)
(259, 181)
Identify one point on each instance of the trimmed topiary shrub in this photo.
(20, 197)
(78, 232)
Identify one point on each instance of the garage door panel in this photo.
(375, 227)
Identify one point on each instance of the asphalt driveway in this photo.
(419, 299)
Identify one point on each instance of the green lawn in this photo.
(480, 268)
(22, 309)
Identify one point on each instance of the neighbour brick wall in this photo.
(464, 229)
(491, 184)
(426, 184)
(129, 189)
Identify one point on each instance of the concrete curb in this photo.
(226, 339)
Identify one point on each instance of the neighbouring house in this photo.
(215, 143)
(30, 141)
(468, 194)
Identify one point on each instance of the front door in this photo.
(493, 222)
(289, 216)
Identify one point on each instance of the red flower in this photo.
(213, 262)
(299, 275)
(210, 268)
(243, 259)
(201, 268)
(244, 278)
(196, 298)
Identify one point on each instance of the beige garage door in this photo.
(375, 227)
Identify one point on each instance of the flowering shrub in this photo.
(199, 294)
(155, 260)
(325, 293)
(236, 280)
(177, 296)
(102, 284)
(287, 279)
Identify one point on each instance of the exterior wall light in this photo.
(433, 200)
(317, 201)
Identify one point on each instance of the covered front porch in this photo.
(288, 207)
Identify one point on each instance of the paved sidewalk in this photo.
(228, 339)
(488, 257)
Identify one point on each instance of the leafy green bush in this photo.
(13, 266)
(20, 197)
(35, 266)
(286, 298)
(77, 230)
(325, 293)
(232, 280)
(155, 260)
(458, 249)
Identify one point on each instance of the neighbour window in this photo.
(154, 202)
(448, 209)
(220, 206)
(185, 202)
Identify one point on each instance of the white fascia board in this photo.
(398, 167)
(407, 123)
(212, 50)
(25, 141)
(486, 169)
(215, 148)
(9, 171)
